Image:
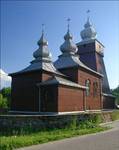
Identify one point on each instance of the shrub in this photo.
(115, 115)
(3, 102)
(97, 119)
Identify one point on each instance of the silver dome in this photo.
(68, 46)
(42, 51)
(88, 32)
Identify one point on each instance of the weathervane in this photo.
(68, 21)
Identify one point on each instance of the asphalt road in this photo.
(107, 140)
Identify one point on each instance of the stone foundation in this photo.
(44, 122)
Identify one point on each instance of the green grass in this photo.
(115, 115)
(11, 138)
(16, 141)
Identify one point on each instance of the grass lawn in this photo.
(16, 141)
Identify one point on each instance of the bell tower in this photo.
(91, 52)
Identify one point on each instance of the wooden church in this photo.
(76, 81)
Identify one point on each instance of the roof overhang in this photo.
(61, 81)
(108, 95)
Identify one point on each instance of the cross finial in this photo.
(88, 12)
(68, 21)
(42, 28)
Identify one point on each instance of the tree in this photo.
(6, 92)
(5, 97)
(115, 92)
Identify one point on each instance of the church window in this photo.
(87, 83)
(95, 89)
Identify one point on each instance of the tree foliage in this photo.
(116, 94)
(5, 97)
(6, 92)
(3, 102)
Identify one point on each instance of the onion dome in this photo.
(88, 32)
(68, 47)
(42, 52)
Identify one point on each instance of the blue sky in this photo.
(21, 28)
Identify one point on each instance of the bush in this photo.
(3, 102)
(91, 121)
(115, 115)
(97, 119)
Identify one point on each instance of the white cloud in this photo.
(5, 80)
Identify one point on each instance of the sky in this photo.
(21, 25)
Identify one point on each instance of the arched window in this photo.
(87, 83)
(95, 89)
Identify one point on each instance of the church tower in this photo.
(91, 52)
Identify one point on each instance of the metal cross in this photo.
(68, 20)
(88, 11)
(42, 28)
